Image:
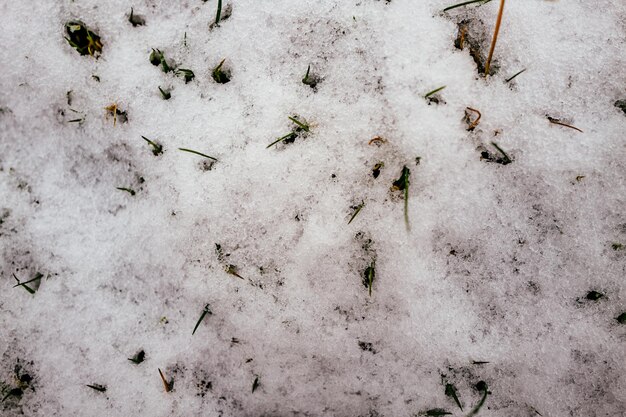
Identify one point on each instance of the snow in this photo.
(494, 267)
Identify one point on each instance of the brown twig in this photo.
(473, 124)
(495, 37)
(556, 122)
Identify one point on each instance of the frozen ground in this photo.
(499, 264)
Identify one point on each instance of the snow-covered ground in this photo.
(504, 287)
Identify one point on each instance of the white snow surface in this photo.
(495, 267)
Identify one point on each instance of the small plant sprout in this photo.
(481, 386)
(435, 412)
(369, 276)
(197, 153)
(256, 383)
(207, 310)
(505, 160)
(167, 385)
(291, 136)
(617, 246)
(158, 58)
(514, 75)
(156, 148)
(451, 392)
(220, 76)
(138, 358)
(135, 19)
(558, 122)
(435, 91)
(357, 209)
(25, 285)
(495, 37)
(402, 184)
(82, 39)
(232, 270)
(465, 3)
(97, 387)
(621, 319)
(310, 79)
(187, 74)
(471, 125)
(165, 94)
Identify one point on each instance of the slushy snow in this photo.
(488, 291)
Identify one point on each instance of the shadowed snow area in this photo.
(501, 285)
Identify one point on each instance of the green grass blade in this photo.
(197, 153)
(516, 74)
(507, 160)
(218, 15)
(436, 90)
(300, 124)
(280, 139)
(207, 310)
(358, 209)
(465, 3)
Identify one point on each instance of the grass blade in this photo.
(156, 148)
(451, 392)
(197, 153)
(168, 385)
(465, 3)
(207, 310)
(165, 94)
(506, 159)
(24, 284)
(358, 209)
(218, 15)
(481, 386)
(516, 74)
(280, 139)
(304, 127)
(495, 37)
(436, 90)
